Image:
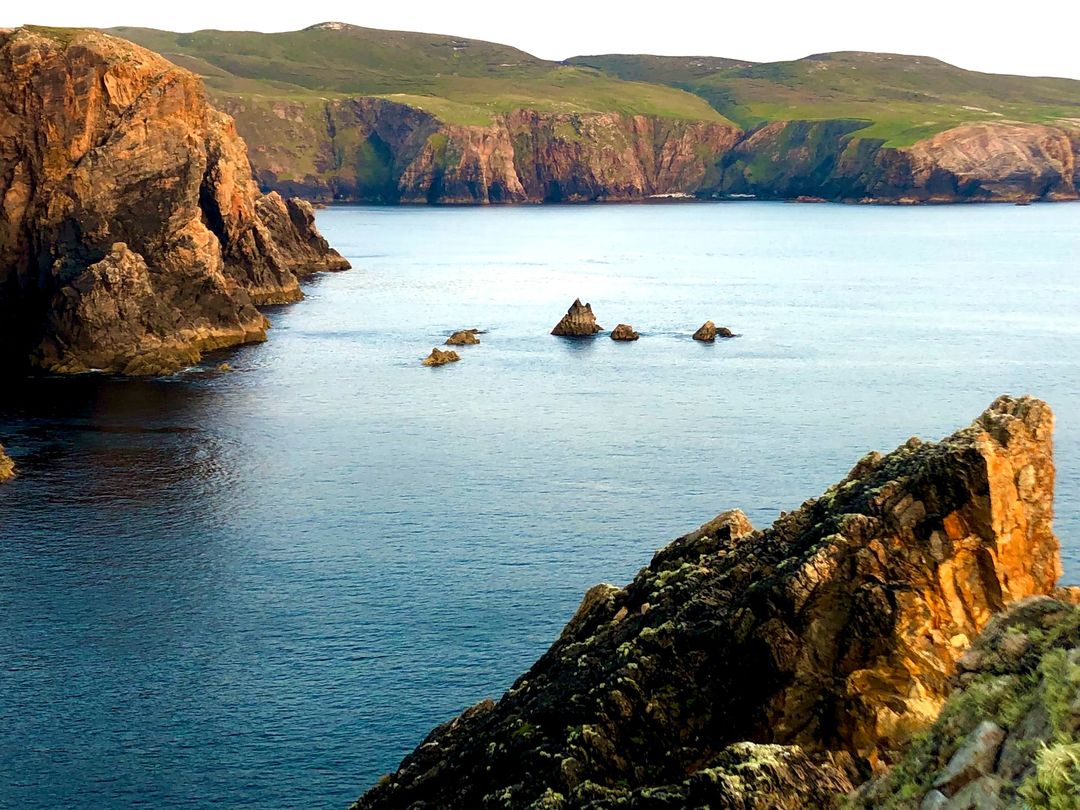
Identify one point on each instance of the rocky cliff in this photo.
(768, 668)
(981, 162)
(132, 235)
(377, 150)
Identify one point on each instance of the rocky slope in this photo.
(132, 236)
(769, 668)
(1010, 736)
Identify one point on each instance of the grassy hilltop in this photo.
(462, 81)
(902, 98)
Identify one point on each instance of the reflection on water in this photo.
(264, 587)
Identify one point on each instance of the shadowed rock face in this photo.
(132, 236)
(579, 321)
(824, 642)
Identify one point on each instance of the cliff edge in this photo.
(770, 668)
(132, 235)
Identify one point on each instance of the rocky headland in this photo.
(133, 236)
(784, 667)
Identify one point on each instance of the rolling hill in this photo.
(341, 112)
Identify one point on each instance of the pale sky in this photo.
(1038, 39)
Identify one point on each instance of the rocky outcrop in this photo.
(7, 466)
(978, 162)
(833, 634)
(439, 357)
(464, 337)
(132, 236)
(579, 321)
(624, 331)
(706, 332)
(1009, 736)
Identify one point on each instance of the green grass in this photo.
(902, 99)
(461, 81)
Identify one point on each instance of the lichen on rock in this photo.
(835, 635)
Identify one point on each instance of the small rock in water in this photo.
(464, 337)
(709, 332)
(224, 367)
(706, 333)
(578, 321)
(440, 358)
(7, 466)
(624, 331)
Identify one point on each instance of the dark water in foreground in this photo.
(264, 587)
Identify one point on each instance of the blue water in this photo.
(262, 588)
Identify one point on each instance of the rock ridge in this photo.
(802, 656)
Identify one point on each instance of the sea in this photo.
(262, 587)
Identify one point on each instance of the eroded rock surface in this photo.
(579, 321)
(132, 236)
(624, 331)
(834, 634)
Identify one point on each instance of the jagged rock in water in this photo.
(578, 321)
(132, 236)
(624, 331)
(836, 630)
(464, 337)
(1009, 736)
(438, 357)
(7, 466)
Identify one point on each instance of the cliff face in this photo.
(744, 668)
(376, 150)
(989, 162)
(132, 236)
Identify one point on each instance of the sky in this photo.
(992, 36)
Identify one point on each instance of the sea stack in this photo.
(828, 640)
(7, 466)
(578, 321)
(624, 331)
(464, 337)
(132, 236)
(438, 357)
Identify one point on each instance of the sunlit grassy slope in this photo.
(902, 98)
(461, 80)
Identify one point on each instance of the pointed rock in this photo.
(7, 466)
(578, 321)
(706, 333)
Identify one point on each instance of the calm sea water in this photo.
(262, 588)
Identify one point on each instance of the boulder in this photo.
(834, 633)
(132, 235)
(624, 331)
(438, 357)
(464, 337)
(578, 321)
(975, 758)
